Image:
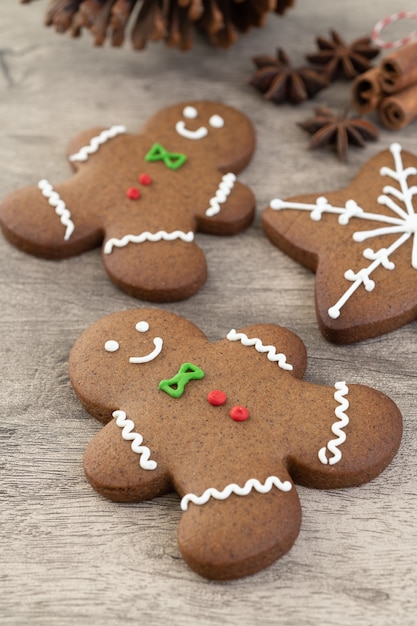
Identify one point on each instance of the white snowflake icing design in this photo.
(402, 222)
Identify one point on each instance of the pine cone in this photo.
(171, 20)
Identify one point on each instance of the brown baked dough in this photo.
(231, 419)
(143, 196)
(361, 242)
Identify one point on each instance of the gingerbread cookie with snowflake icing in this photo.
(361, 242)
(143, 197)
(230, 426)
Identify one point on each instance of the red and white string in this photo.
(386, 21)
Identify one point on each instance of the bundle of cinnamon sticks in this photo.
(390, 88)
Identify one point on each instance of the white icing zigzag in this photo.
(223, 191)
(252, 483)
(136, 439)
(280, 358)
(147, 236)
(96, 142)
(56, 201)
(333, 445)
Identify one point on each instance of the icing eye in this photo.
(142, 327)
(216, 121)
(190, 113)
(111, 345)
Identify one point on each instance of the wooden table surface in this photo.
(69, 556)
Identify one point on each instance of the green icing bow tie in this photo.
(173, 160)
(175, 386)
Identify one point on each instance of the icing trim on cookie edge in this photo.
(136, 439)
(252, 483)
(333, 445)
(55, 200)
(96, 142)
(272, 355)
(147, 236)
(223, 191)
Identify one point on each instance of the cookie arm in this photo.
(84, 146)
(351, 433)
(261, 343)
(240, 529)
(121, 465)
(229, 210)
(48, 221)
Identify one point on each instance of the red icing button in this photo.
(217, 397)
(133, 193)
(239, 413)
(145, 179)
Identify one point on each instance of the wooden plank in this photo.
(67, 555)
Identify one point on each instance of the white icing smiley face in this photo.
(142, 327)
(191, 113)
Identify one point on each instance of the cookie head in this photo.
(191, 112)
(119, 357)
(221, 134)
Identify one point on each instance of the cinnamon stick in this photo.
(366, 91)
(399, 69)
(398, 110)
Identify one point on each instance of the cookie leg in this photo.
(161, 270)
(240, 535)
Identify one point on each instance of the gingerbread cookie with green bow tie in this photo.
(143, 197)
(229, 425)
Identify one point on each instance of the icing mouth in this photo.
(182, 130)
(191, 113)
(158, 343)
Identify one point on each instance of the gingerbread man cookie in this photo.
(143, 197)
(230, 426)
(361, 242)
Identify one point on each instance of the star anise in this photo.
(339, 130)
(151, 20)
(279, 81)
(342, 59)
